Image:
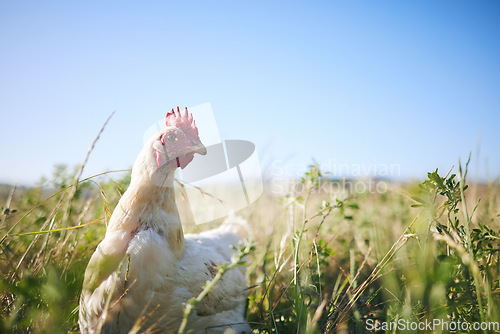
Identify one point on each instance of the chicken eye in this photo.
(171, 137)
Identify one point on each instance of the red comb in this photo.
(183, 121)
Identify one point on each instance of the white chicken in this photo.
(145, 269)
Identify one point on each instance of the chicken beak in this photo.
(199, 148)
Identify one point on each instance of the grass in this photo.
(325, 259)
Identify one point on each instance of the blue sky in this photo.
(357, 83)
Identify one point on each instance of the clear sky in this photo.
(362, 84)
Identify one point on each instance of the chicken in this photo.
(145, 269)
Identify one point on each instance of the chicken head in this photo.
(176, 145)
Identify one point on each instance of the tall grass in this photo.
(326, 260)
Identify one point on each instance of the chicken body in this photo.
(145, 269)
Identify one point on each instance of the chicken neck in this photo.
(149, 203)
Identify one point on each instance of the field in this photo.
(325, 258)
